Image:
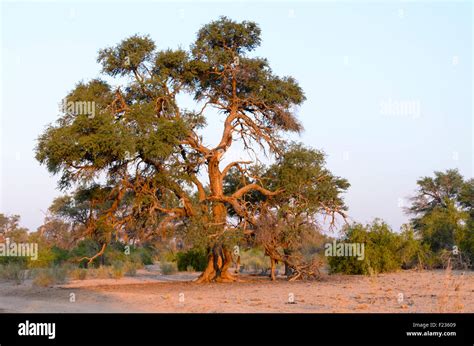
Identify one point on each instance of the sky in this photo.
(388, 84)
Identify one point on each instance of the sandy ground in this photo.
(407, 291)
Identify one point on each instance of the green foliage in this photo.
(128, 56)
(13, 271)
(168, 268)
(436, 192)
(22, 261)
(196, 258)
(115, 252)
(60, 256)
(443, 211)
(145, 255)
(46, 258)
(384, 250)
(443, 227)
(301, 172)
(85, 248)
(254, 260)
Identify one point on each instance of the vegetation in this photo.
(161, 177)
(193, 258)
(384, 250)
(443, 217)
(142, 185)
(168, 268)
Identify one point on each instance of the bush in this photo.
(384, 250)
(78, 274)
(51, 276)
(60, 255)
(146, 255)
(254, 260)
(13, 271)
(130, 268)
(21, 261)
(45, 258)
(114, 252)
(86, 248)
(167, 256)
(196, 258)
(117, 269)
(102, 272)
(168, 268)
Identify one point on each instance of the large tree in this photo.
(443, 212)
(140, 148)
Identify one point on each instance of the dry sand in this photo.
(423, 291)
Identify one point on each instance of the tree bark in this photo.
(272, 273)
(219, 257)
(219, 262)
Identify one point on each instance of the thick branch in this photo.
(232, 164)
(247, 188)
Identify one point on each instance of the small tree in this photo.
(310, 197)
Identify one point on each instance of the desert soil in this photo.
(406, 291)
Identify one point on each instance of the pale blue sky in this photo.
(351, 60)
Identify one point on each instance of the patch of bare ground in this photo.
(405, 291)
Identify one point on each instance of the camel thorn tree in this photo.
(145, 150)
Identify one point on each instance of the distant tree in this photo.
(10, 228)
(55, 232)
(435, 192)
(443, 212)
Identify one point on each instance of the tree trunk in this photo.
(272, 273)
(219, 258)
(288, 270)
(219, 262)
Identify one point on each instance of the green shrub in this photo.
(86, 248)
(254, 260)
(146, 255)
(114, 252)
(167, 256)
(196, 258)
(385, 251)
(21, 261)
(13, 271)
(168, 268)
(45, 258)
(60, 255)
